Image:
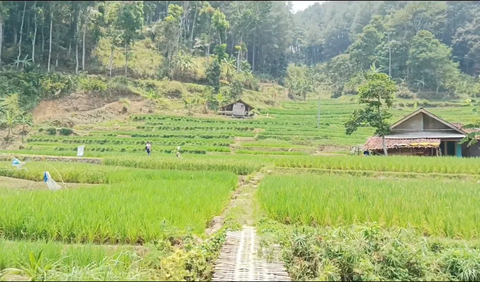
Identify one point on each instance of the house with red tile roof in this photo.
(422, 133)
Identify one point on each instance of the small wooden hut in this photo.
(237, 109)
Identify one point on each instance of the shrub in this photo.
(51, 131)
(66, 131)
(92, 83)
(174, 90)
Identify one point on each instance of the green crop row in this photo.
(175, 135)
(133, 212)
(433, 207)
(450, 165)
(237, 166)
(129, 141)
(279, 153)
(177, 120)
(132, 149)
(103, 174)
(187, 128)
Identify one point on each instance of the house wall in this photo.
(472, 151)
(239, 109)
(432, 124)
(415, 123)
(411, 152)
(421, 122)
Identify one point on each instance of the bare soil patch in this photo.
(16, 183)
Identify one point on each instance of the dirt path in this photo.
(240, 258)
(240, 208)
(17, 183)
(47, 158)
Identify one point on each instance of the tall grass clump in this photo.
(53, 261)
(371, 253)
(432, 207)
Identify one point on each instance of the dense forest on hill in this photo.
(430, 48)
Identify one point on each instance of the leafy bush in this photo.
(66, 131)
(144, 62)
(404, 92)
(56, 85)
(92, 83)
(370, 253)
(51, 131)
(32, 87)
(174, 90)
(120, 85)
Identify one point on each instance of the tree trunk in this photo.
(253, 54)
(15, 35)
(126, 59)
(43, 41)
(1, 37)
(75, 37)
(193, 25)
(208, 53)
(21, 34)
(111, 59)
(50, 42)
(57, 37)
(76, 56)
(384, 144)
(169, 56)
(34, 34)
(238, 60)
(83, 46)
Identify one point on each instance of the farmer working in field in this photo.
(148, 148)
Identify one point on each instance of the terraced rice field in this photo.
(434, 207)
(144, 217)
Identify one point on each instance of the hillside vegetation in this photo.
(428, 48)
(112, 75)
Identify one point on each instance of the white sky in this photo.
(302, 5)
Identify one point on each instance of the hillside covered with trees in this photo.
(430, 49)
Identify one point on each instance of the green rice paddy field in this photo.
(139, 217)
